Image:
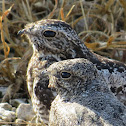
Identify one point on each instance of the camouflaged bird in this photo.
(52, 41)
(84, 98)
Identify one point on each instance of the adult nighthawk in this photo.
(52, 41)
(84, 98)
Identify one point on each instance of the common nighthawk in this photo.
(52, 41)
(84, 98)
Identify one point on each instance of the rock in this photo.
(17, 102)
(7, 115)
(13, 109)
(5, 112)
(25, 112)
(5, 106)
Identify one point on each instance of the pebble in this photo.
(5, 106)
(25, 112)
(16, 102)
(21, 114)
(6, 115)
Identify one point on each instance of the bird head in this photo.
(71, 75)
(54, 36)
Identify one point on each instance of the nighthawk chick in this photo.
(84, 98)
(52, 41)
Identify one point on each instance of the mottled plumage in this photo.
(52, 41)
(84, 98)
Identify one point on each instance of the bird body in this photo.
(84, 98)
(73, 113)
(52, 41)
(38, 86)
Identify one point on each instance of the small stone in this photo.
(7, 115)
(13, 109)
(17, 102)
(25, 112)
(5, 106)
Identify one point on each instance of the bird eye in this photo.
(49, 33)
(65, 74)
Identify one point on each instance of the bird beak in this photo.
(51, 78)
(23, 31)
(51, 85)
(52, 82)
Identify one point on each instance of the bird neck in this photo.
(68, 94)
(77, 51)
(96, 85)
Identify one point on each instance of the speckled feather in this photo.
(84, 98)
(64, 45)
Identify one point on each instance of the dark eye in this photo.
(49, 33)
(65, 75)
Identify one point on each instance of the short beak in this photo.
(51, 85)
(51, 80)
(23, 31)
